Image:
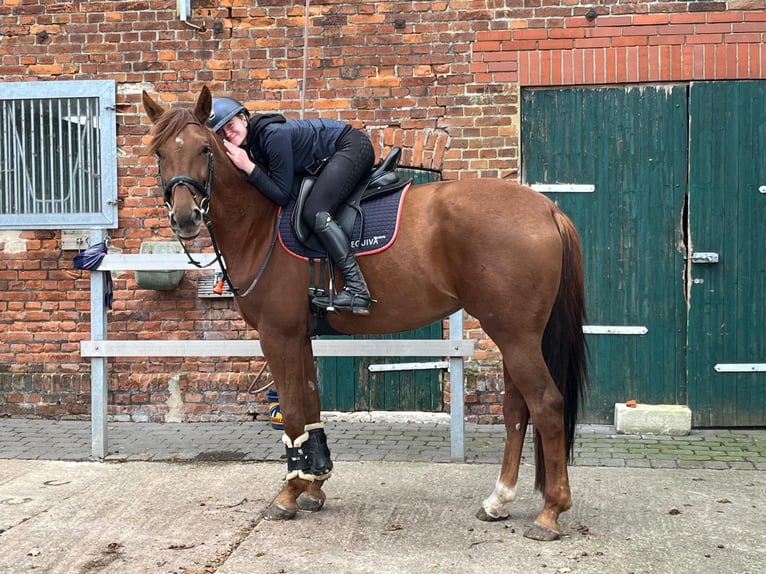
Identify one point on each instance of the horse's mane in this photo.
(169, 125)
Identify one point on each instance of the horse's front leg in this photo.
(292, 366)
(285, 357)
(313, 499)
(516, 417)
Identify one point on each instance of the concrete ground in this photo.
(198, 507)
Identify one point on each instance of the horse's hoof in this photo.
(482, 515)
(277, 512)
(542, 533)
(310, 503)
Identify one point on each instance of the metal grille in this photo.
(205, 286)
(57, 165)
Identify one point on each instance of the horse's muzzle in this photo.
(186, 228)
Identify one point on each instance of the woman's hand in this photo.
(239, 157)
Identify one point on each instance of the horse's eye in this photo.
(205, 150)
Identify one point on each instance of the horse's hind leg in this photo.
(530, 375)
(516, 416)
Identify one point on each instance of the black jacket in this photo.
(285, 148)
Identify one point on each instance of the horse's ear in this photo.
(204, 106)
(152, 108)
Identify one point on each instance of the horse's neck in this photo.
(243, 218)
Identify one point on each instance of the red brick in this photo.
(650, 19)
(723, 28)
(704, 39)
(688, 17)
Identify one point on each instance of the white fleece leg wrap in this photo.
(313, 426)
(299, 440)
(494, 505)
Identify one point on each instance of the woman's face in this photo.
(235, 130)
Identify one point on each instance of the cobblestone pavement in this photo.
(373, 441)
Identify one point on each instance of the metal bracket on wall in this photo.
(206, 286)
(74, 239)
(615, 330)
(564, 187)
(704, 257)
(408, 366)
(740, 367)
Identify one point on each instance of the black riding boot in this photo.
(355, 294)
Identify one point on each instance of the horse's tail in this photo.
(564, 346)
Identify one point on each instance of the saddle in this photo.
(368, 217)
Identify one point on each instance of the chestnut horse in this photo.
(501, 251)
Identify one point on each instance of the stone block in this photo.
(674, 420)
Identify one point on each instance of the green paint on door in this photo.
(630, 143)
(677, 170)
(727, 207)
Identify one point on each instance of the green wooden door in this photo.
(727, 208)
(346, 384)
(629, 143)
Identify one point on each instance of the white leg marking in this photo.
(494, 505)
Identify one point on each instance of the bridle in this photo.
(205, 191)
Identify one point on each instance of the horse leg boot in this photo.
(355, 294)
(319, 452)
(298, 478)
(321, 468)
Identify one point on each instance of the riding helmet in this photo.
(224, 109)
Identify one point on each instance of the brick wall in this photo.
(625, 48)
(440, 79)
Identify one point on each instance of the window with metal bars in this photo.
(58, 155)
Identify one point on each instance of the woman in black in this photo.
(286, 148)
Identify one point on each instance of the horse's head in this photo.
(183, 146)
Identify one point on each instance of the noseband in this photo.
(206, 190)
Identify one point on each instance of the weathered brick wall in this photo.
(440, 79)
(663, 46)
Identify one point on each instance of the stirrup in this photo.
(359, 305)
(345, 301)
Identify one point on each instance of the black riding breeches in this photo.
(348, 167)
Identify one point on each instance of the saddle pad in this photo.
(374, 231)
